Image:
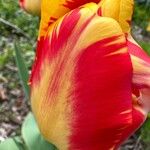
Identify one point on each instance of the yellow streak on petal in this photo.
(113, 147)
(126, 112)
(121, 51)
(51, 110)
(141, 71)
(86, 12)
(51, 8)
(99, 28)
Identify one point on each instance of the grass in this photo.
(27, 23)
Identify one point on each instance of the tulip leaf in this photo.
(32, 137)
(12, 144)
(23, 72)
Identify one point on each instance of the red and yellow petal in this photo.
(54, 9)
(138, 117)
(31, 6)
(120, 10)
(141, 71)
(81, 82)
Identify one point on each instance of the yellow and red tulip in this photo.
(88, 76)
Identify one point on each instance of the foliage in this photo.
(145, 134)
(142, 13)
(10, 11)
(12, 143)
(31, 138)
(23, 72)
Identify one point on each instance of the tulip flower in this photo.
(33, 7)
(90, 79)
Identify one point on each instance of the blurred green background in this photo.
(16, 26)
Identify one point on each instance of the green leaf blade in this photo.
(11, 144)
(32, 136)
(23, 71)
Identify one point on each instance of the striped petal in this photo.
(141, 72)
(121, 11)
(81, 82)
(33, 7)
(54, 9)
